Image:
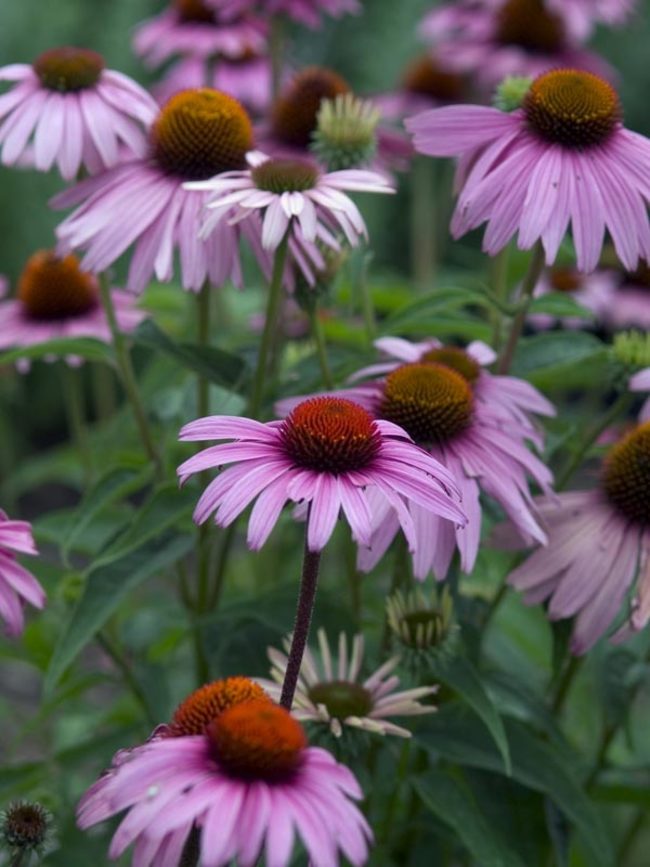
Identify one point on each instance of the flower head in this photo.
(67, 108)
(197, 134)
(595, 292)
(580, 16)
(345, 136)
(25, 827)
(564, 157)
(17, 585)
(492, 39)
(597, 542)
(337, 695)
(422, 624)
(426, 83)
(56, 299)
(329, 454)
(247, 780)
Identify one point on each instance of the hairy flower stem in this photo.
(127, 376)
(321, 347)
(76, 417)
(272, 310)
(367, 304)
(19, 859)
(424, 253)
(535, 268)
(499, 287)
(304, 610)
(564, 684)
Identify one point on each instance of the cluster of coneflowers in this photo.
(240, 152)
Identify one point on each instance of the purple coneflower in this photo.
(197, 134)
(493, 39)
(67, 108)
(329, 454)
(595, 292)
(425, 84)
(236, 770)
(597, 541)
(56, 299)
(293, 194)
(197, 28)
(336, 695)
(580, 16)
(563, 157)
(17, 585)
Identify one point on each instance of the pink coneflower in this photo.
(336, 695)
(493, 39)
(309, 12)
(630, 299)
(596, 540)
(595, 292)
(195, 28)
(67, 108)
(17, 585)
(294, 195)
(580, 16)
(237, 769)
(481, 443)
(328, 454)
(247, 79)
(56, 299)
(425, 84)
(197, 134)
(563, 157)
(507, 396)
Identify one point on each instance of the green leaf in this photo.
(453, 803)
(83, 347)
(222, 368)
(428, 307)
(459, 674)
(166, 508)
(106, 587)
(565, 358)
(115, 485)
(560, 305)
(537, 764)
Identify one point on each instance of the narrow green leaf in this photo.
(106, 587)
(453, 803)
(220, 367)
(560, 305)
(566, 358)
(430, 306)
(459, 674)
(83, 347)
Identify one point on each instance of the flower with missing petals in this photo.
(598, 542)
(337, 695)
(17, 585)
(234, 779)
(563, 158)
(68, 109)
(330, 455)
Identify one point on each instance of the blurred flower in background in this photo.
(17, 585)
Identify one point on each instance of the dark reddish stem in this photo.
(304, 611)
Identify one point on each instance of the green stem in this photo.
(499, 286)
(203, 338)
(103, 383)
(321, 347)
(128, 376)
(424, 255)
(367, 304)
(75, 412)
(620, 406)
(277, 48)
(272, 310)
(400, 569)
(112, 650)
(18, 859)
(630, 837)
(565, 683)
(203, 409)
(535, 268)
(227, 540)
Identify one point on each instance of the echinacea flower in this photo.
(580, 16)
(482, 444)
(67, 108)
(563, 157)
(198, 29)
(595, 292)
(493, 39)
(17, 585)
(422, 624)
(237, 769)
(328, 454)
(426, 83)
(507, 396)
(57, 300)
(630, 299)
(597, 540)
(144, 203)
(336, 694)
(25, 828)
(294, 195)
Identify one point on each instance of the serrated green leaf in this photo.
(106, 587)
(453, 803)
(167, 507)
(113, 486)
(220, 367)
(83, 347)
(537, 764)
(459, 674)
